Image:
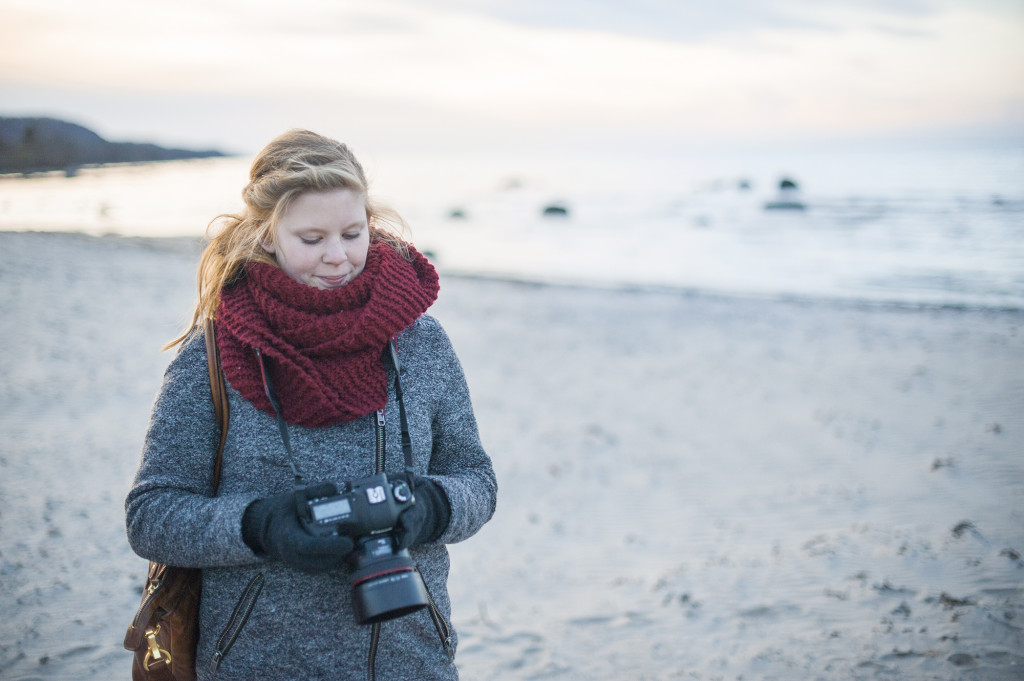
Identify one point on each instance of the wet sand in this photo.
(691, 487)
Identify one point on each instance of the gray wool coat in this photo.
(302, 626)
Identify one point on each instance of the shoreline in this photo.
(194, 244)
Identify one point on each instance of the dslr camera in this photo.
(385, 581)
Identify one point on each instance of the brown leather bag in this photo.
(164, 632)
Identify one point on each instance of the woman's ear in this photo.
(268, 245)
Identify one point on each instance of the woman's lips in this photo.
(334, 281)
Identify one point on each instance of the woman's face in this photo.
(323, 238)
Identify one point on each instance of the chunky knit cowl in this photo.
(324, 348)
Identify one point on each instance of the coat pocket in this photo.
(239, 616)
(444, 629)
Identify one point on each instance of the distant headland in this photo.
(31, 145)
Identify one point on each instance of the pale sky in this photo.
(233, 73)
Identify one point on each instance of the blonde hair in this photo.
(292, 164)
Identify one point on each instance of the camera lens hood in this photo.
(388, 588)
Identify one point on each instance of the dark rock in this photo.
(788, 198)
(555, 210)
(960, 659)
(949, 602)
(964, 527)
(1011, 554)
(784, 205)
(31, 145)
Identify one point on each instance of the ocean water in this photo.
(935, 225)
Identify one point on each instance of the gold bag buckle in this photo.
(155, 653)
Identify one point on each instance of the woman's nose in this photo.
(335, 252)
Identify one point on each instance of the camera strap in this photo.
(268, 388)
(406, 439)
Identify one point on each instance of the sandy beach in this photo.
(690, 486)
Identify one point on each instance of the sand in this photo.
(691, 487)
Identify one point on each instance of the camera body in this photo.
(385, 581)
(364, 508)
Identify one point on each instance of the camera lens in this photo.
(385, 584)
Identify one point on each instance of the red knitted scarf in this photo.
(325, 347)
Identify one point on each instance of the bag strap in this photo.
(219, 392)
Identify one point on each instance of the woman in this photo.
(306, 288)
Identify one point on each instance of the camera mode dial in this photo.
(401, 492)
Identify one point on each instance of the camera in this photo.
(385, 581)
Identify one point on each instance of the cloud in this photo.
(441, 68)
(681, 21)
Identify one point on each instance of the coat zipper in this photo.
(240, 615)
(371, 663)
(381, 452)
(379, 467)
(443, 630)
(441, 625)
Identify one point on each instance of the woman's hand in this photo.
(271, 528)
(427, 519)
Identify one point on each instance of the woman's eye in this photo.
(351, 235)
(310, 241)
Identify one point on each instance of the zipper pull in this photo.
(380, 418)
